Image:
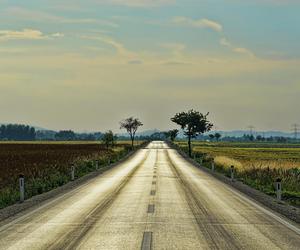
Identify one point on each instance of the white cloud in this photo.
(224, 42)
(119, 47)
(198, 23)
(25, 34)
(58, 35)
(244, 51)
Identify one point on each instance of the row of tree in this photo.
(260, 138)
(130, 124)
(17, 132)
(192, 123)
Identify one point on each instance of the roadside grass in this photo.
(47, 165)
(256, 164)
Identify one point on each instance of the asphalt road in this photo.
(154, 200)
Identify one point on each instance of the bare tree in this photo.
(131, 125)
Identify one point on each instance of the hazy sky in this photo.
(87, 64)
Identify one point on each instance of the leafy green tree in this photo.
(259, 138)
(65, 135)
(167, 134)
(248, 137)
(218, 136)
(109, 139)
(192, 123)
(158, 136)
(131, 125)
(173, 134)
(211, 136)
(17, 132)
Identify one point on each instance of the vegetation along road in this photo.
(154, 200)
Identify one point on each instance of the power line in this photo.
(251, 128)
(295, 128)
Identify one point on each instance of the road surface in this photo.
(154, 200)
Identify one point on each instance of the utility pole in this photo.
(295, 128)
(251, 128)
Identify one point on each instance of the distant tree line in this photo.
(67, 135)
(17, 132)
(246, 138)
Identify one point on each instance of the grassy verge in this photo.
(257, 165)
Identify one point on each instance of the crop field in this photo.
(47, 165)
(256, 164)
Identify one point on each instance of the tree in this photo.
(65, 135)
(109, 139)
(167, 134)
(131, 125)
(259, 138)
(192, 123)
(248, 137)
(211, 136)
(158, 136)
(173, 134)
(17, 132)
(218, 136)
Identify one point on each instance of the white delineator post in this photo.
(22, 187)
(72, 172)
(212, 165)
(97, 165)
(278, 188)
(232, 173)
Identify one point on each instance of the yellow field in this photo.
(249, 155)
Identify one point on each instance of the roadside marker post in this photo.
(278, 185)
(97, 164)
(200, 160)
(22, 187)
(72, 172)
(213, 166)
(232, 173)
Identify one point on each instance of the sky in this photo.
(85, 65)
